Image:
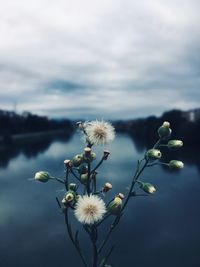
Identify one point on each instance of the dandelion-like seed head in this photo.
(89, 209)
(99, 132)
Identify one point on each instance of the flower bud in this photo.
(72, 187)
(154, 154)
(87, 151)
(42, 176)
(84, 178)
(176, 165)
(164, 131)
(69, 196)
(107, 187)
(67, 162)
(90, 157)
(174, 144)
(82, 169)
(77, 160)
(93, 156)
(147, 187)
(120, 195)
(80, 125)
(114, 207)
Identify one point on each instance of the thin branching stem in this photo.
(58, 180)
(98, 165)
(74, 240)
(74, 174)
(112, 227)
(88, 179)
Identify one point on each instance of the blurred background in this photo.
(134, 63)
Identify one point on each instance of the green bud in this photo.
(42, 176)
(77, 197)
(77, 160)
(82, 169)
(176, 165)
(164, 131)
(93, 156)
(154, 154)
(69, 197)
(147, 187)
(84, 178)
(174, 144)
(72, 187)
(90, 158)
(114, 207)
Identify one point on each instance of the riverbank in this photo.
(28, 138)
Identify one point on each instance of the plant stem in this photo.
(95, 252)
(112, 227)
(74, 174)
(88, 179)
(75, 242)
(58, 179)
(137, 174)
(98, 165)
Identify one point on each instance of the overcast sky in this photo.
(99, 58)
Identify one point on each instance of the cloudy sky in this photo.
(99, 58)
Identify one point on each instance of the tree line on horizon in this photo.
(142, 130)
(12, 123)
(185, 125)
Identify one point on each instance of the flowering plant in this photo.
(85, 198)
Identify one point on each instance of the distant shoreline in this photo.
(25, 138)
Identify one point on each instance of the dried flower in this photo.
(67, 163)
(107, 187)
(89, 209)
(99, 132)
(106, 153)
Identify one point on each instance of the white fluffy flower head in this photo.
(89, 209)
(99, 132)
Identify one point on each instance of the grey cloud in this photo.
(111, 59)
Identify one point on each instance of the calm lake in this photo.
(161, 230)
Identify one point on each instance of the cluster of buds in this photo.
(71, 195)
(87, 156)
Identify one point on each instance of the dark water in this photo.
(162, 230)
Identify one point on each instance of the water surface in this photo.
(160, 230)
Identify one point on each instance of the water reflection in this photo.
(160, 230)
(30, 149)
